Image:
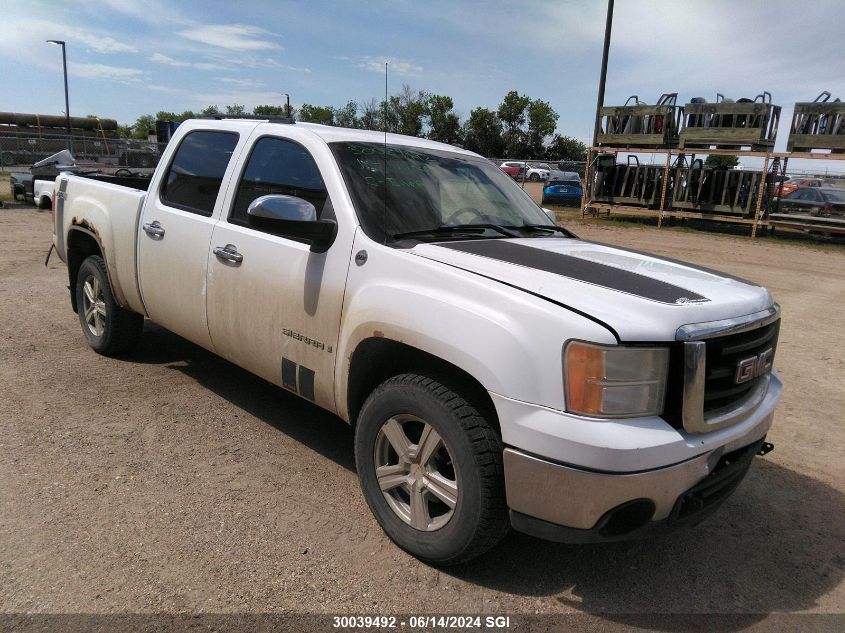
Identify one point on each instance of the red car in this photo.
(797, 183)
(513, 169)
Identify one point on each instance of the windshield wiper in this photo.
(543, 228)
(451, 229)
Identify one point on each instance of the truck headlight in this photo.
(613, 381)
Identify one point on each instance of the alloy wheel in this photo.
(415, 472)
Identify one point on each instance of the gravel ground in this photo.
(172, 480)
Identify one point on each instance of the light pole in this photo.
(67, 103)
(600, 102)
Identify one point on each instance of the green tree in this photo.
(235, 109)
(512, 114)
(444, 124)
(347, 116)
(271, 110)
(527, 124)
(371, 114)
(483, 133)
(211, 110)
(316, 114)
(142, 126)
(405, 111)
(512, 111)
(721, 161)
(542, 120)
(566, 148)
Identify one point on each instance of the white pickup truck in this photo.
(498, 371)
(43, 193)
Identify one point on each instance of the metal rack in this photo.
(663, 211)
(663, 208)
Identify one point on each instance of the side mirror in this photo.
(289, 216)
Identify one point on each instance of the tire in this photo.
(44, 203)
(534, 178)
(461, 462)
(110, 329)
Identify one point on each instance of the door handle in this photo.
(228, 253)
(153, 229)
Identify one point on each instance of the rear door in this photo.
(176, 232)
(276, 309)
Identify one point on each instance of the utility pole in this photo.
(67, 102)
(600, 103)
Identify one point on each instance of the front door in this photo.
(176, 232)
(274, 306)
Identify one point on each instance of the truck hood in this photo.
(640, 297)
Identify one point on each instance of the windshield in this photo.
(569, 177)
(429, 189)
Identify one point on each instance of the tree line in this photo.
(520, 127)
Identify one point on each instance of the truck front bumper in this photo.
(578, 480)
(565, 504)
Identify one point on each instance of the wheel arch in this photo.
(81, 244)
(376, 359)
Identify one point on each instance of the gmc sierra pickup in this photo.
(498, 371)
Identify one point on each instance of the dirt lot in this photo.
(173, 481)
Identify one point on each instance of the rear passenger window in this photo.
(194, 177)
(278, 166)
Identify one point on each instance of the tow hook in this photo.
(765, 447)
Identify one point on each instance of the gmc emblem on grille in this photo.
(749, 368)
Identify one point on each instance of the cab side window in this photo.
(278, 166)
(193, 178)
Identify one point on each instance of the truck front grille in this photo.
(723, 354)
(707, 390)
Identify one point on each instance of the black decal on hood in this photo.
(711, 271)
(579, 269)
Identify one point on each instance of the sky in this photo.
(127, 58)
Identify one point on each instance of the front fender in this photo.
(509, 341)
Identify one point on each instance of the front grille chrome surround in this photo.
(694, 416)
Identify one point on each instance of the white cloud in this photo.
(104, 71)
(158, 58)
(165, 89)
(234, 37)
(242, 83)
(269, 62)
(100, 43)
(376, 64)
(148, 12)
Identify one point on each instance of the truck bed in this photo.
(110, 213)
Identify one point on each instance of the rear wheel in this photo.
(110, 329)
(534, 177)
(430, 468)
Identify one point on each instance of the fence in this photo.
(26, 148)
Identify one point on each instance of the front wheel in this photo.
(534, 177)
(109, 329)
(430, 467)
